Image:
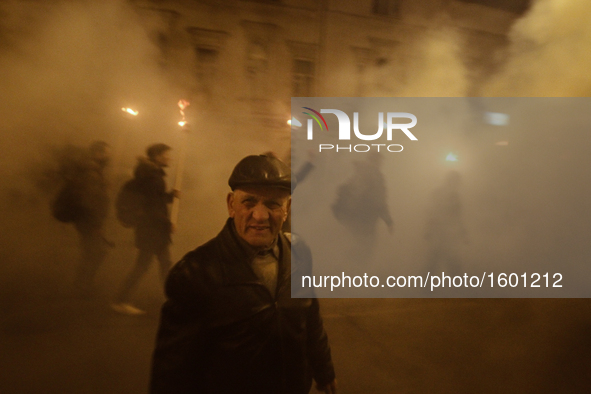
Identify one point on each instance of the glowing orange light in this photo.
(130, 111)
(182, 105)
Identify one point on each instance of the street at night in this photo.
(135, 131)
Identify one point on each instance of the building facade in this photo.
(252, 56)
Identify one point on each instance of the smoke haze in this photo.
(548, 55)
(68, 68)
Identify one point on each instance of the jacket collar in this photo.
(147, 168)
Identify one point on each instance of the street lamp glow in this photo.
(451, 157)
(496, 118)
(130, 111)
(294, 122)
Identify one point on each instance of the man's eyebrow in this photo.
(249, 198)
(277, 200)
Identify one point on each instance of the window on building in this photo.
(265, 1)
(386, 7)
(516, 6)
(303, 78)
(208, 45)
(206, 62)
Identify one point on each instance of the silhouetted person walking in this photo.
(360, 204)
(445, 229)
(84, 202)
(154, 228)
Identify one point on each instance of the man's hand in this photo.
(330, 388)
(176, 193)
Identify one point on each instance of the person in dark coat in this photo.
(362, 201)
(154, 228)
(230, 324)
(445, 232)
(88, 188)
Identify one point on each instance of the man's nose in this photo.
(260, 212)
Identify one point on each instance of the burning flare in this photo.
(130, 111)
(182, 105)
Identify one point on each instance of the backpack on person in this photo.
(129, 203)
(66, 206)
(348, 202)
(71, 166)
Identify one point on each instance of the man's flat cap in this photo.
(261, 170)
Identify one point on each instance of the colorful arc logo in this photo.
(315, 117)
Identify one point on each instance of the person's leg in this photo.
(164, 263)
(93, 251)
(142, 263)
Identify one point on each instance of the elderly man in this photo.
(229, 324)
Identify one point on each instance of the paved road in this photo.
(51, 342)
(58, 344)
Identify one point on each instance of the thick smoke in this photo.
(548, 55)
(68, 68)
(522, 202)
(409, 69)
(441, 46)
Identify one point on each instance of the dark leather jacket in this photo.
(222, 331)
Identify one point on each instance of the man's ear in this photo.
(288, 208)
(230, 203)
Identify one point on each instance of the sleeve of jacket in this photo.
(304, 171)
(169, 197)
(319, 354)
(176, 363)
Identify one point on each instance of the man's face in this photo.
(163, 159)
(259, 213)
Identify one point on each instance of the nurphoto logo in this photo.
(345, 130)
